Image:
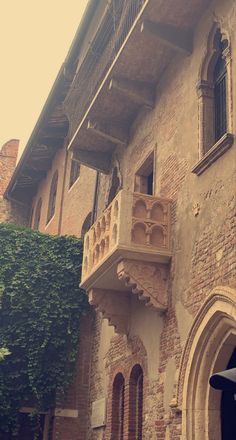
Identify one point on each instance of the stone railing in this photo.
(135, 226)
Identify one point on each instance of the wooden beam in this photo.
(137, 91)
(110, 131)
(97, 161)
(172, 36)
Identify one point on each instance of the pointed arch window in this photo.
(215, 101)
(37, 214)
(136, 403)
(52, 197)
(220, 95)
(118, 396)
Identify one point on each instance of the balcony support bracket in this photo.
(147, 280)
(108, 131)
(97, 161)
(176, 38)
(113, 305)
(137, 91)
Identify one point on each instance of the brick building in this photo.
(135, 145)
(10, 211)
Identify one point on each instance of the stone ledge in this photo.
(218, 149)
(63, 412)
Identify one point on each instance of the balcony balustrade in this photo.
(127, 250)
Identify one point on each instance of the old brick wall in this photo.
(10, 212)
(203, 217)
(72, 207)
(72, 204)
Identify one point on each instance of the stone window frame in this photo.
(118, 406)
(136, 403)
(52, 197)
(145, 167)
(132, 428)
(209, 150)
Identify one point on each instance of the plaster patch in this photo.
(184, 320)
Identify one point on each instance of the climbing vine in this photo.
(41, 305)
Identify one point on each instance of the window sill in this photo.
(73, 184)
(49, 221)
(218, 149)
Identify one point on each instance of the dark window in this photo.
(86, 224)
(150, 184)
(118, 396)
(74, 172)
(37, 214)
(136, 403)
(52, 197)
(144, 177)
(220, 78)
(115, 186)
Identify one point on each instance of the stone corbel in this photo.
(113, 305)
(147, 280)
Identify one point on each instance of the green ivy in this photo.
(40, 312)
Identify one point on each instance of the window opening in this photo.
(86, 224)
(115, 185)
(136, 403)
(37, 214)
(144, 177)
(52, 197)
(118, 396)
(74, 172)
(219, 79)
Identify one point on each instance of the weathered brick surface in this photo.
(10, 212)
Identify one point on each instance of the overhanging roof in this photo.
(51, 128)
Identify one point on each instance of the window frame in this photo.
(52, 197)
(211, 147)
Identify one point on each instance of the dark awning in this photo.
(224, 380)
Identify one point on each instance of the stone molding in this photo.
(213, 325)
(218, 149)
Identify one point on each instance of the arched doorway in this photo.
(228, 408)
(209, 348)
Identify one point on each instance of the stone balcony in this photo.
(126, 251)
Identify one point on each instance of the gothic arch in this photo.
(215, 129)
(211, 53)
(210, 344)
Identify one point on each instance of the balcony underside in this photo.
(131, 83)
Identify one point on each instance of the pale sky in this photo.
(35, 36)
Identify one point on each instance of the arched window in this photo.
(86, 224)
(220, 94)
(215, 101)
(118, 396)
(136, 403)
(37, 214)
(52, 197)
